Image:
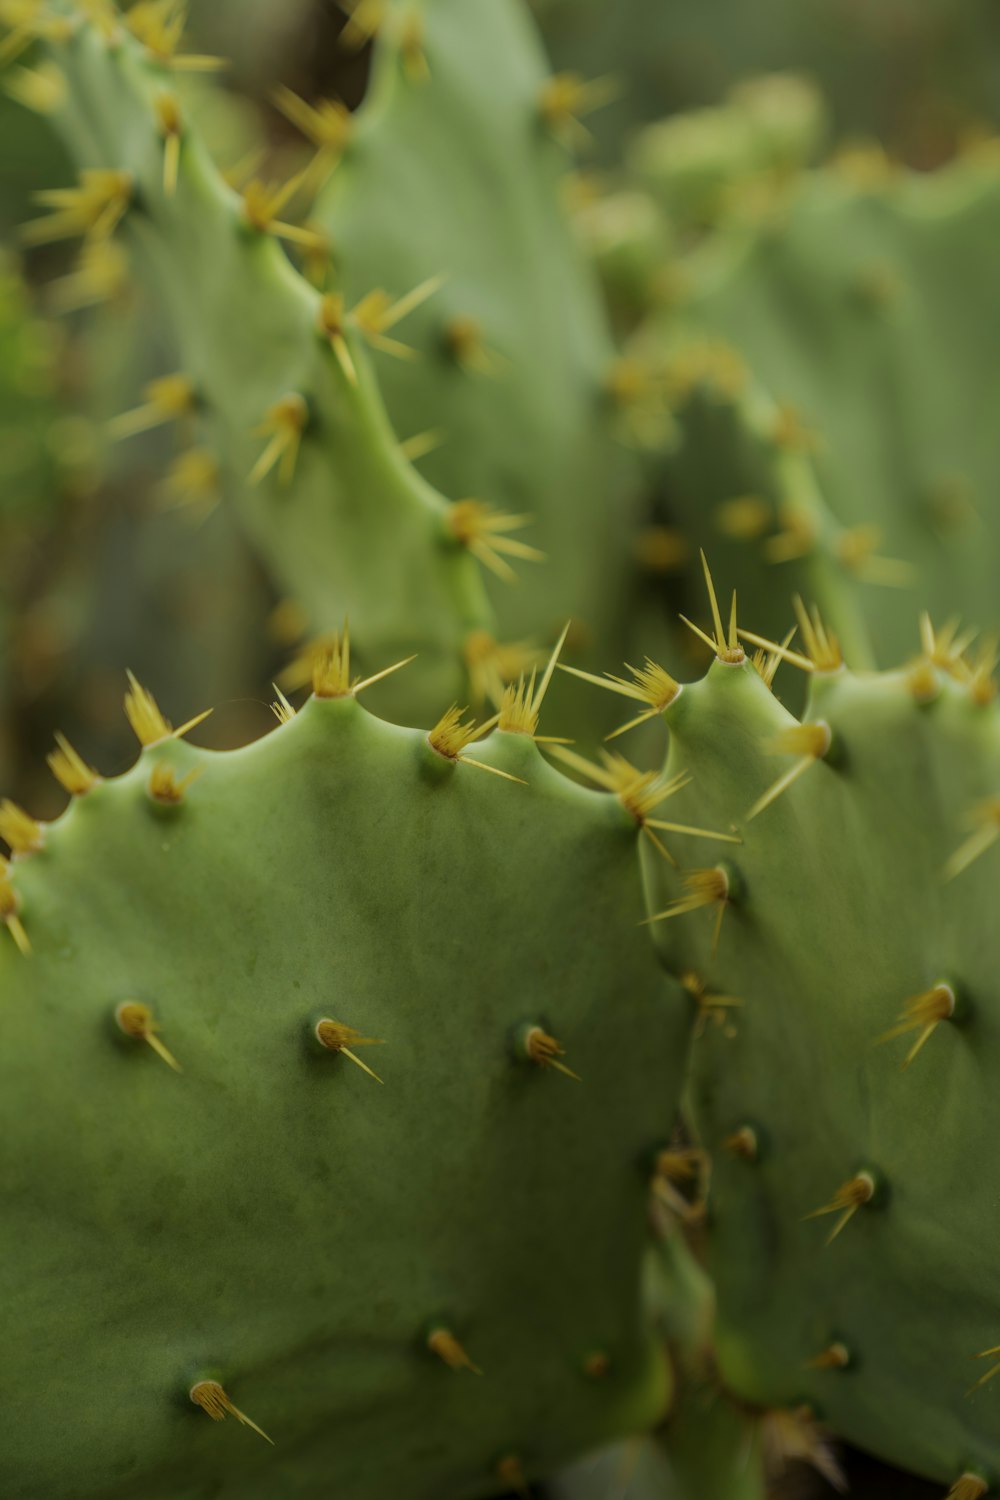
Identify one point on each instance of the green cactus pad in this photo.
(833, 924)
(858, 298)
(453, 169)
(341, 517)
(271, 1217)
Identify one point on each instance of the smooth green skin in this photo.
(357, 531)
(273, 1213)
(844, 915)
(864, 309)
(457, 174)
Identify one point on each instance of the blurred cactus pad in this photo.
(526, 1032)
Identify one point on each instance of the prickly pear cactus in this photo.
(274, 389)
(381, 1268)
(740, 483)
(486, 324)
(845, 1100)
(875, 267)
(454, 170)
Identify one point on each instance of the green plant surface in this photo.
(340, 516)
(456, 168)
(849, 1220)
(273, 1217)
(855, 299)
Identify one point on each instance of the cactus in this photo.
(455, 169)
(341, 1070)
(876, 266)
(304, 424)
(515, 352)
(217, 1194)
(848, 1235)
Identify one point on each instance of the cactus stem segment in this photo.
(651, 684)
(284, 424)
(445, 1345)
(210, 1396)
(539, 1047)
(835, 1356)
(19, 829)
(811, 742)
(483, 530)
(924, 1012)
(138, 1022)
(148, 724)
(334, 1037)
(70, 769)
(987, 817)
(725, 644)
(166, 400)
(846, 1201)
